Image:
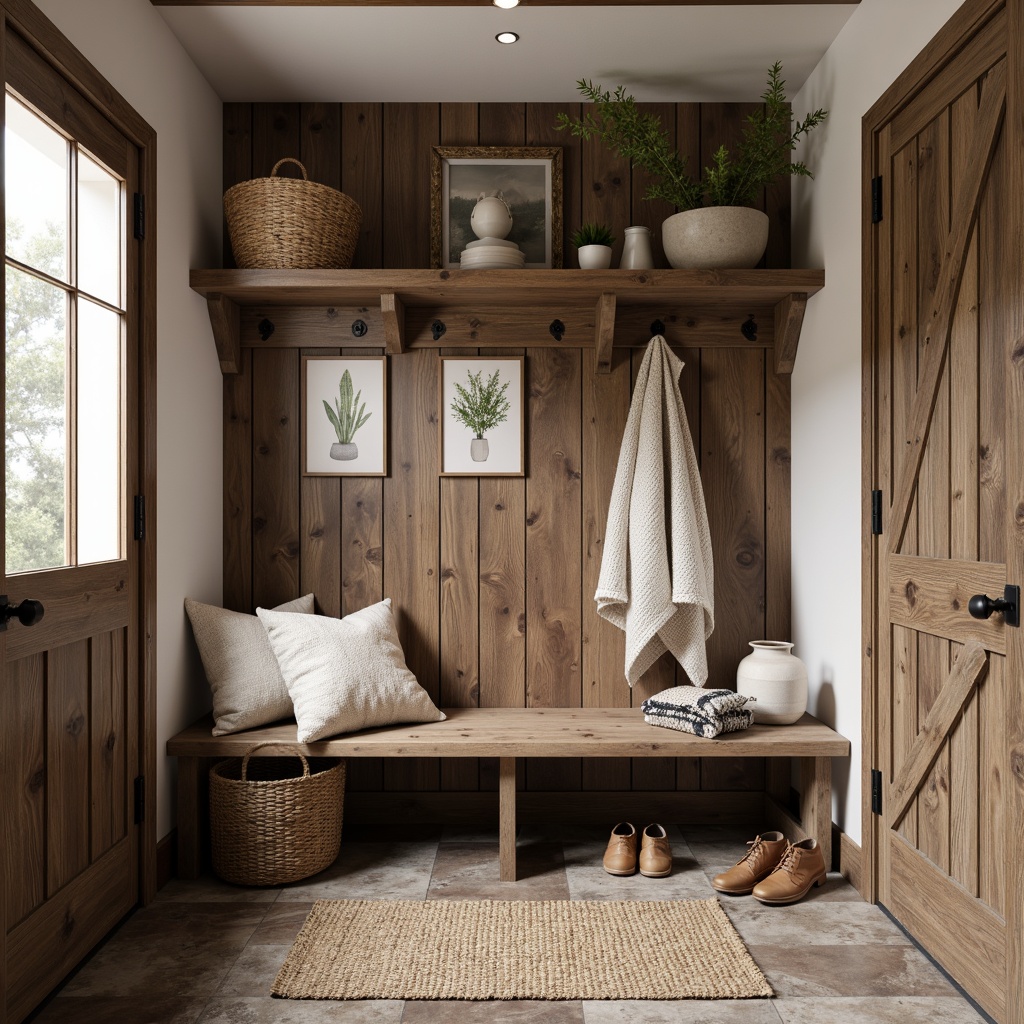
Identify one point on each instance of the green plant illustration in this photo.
(481, 406)
(761, 157)
(347, 416)
(593, 234)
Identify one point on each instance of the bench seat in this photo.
(512, 733)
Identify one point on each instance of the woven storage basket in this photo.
(284, 223)
(270, 825)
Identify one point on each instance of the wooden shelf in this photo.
(402, 309)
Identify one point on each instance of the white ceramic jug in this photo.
(491, 217)
(636, 249)
(776, 680)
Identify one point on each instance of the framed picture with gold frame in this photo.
(483, 416)
(530, 182)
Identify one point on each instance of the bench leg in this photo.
(816, 802)
(507, 818)
(188, 817)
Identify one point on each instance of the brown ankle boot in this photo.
(801, 867)
(620, 855)
(758, 862)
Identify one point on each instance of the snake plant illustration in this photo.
(480, 406)
(346, 417)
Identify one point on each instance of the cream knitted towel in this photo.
(657, 576)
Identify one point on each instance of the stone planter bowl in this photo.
(715, 238)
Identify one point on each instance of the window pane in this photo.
(99, 433)
(36, 179)
(99, 231)
(36, 423)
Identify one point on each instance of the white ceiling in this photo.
(436, 54)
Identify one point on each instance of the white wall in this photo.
(132, 47)
(875, 45)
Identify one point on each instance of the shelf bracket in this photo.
(789, 318)
(392, 309)
(225, 319)
(604, 331)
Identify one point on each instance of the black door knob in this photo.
(981, 606)
(28, 613)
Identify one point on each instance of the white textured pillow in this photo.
(240, 666)
(346, 674)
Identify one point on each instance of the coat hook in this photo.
(657, 327)
(557, 329)
(749, 328)
(359, 328)
(266, 329)
(437, 328)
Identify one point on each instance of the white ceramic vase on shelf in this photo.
(715, 238)
(594, 257)
(776, 680)
(636, 249)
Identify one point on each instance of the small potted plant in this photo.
(594, 246)
(715, 226)
(481, 406)
(346, 417)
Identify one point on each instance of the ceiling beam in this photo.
(483, 3)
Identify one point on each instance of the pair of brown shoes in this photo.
(774, 870)
(655, 860)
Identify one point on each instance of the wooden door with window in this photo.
(942, 281)
(69, 685)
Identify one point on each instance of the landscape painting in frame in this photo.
(529, 181)
(482, 416)
(344, 416)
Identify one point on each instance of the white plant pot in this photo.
(595, 257)
(479, 449)
(344, 452)
(715, 238)
(776, 680)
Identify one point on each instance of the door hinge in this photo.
(876, 512)
(140, 517)
(140, 799)
(876, 199)
(876, 791)
(140, 215)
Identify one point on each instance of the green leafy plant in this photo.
(761, 157)
(593, 234)
(347, 416)
(481, 405)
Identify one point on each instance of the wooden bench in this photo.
(513, 733)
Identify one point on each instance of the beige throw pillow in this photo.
(346, 674)
(240, 666)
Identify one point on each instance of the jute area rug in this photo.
(517, 949)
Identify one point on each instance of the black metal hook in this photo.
(437, 328)
(749, 328)
(359, 328)
(266, 329)
(557, 329)
(657, 327)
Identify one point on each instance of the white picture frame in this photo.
(503, 451)
(325, 452)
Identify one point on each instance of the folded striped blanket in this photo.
(701, 712)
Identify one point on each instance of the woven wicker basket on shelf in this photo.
(268, 824)
(288, 223)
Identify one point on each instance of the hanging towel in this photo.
(657, 576)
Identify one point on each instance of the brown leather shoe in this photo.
(801, 867)
(655, 853)
(758, 862)
(620, 854)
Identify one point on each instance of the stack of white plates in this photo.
(492, 254)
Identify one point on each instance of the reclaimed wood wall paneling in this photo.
(483, 616)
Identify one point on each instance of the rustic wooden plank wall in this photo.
(493, 580)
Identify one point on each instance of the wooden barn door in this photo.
(69, 682)
(943, 284)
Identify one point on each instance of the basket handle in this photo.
(290, 160)
(272, 743)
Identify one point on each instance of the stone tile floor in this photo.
(206, 952)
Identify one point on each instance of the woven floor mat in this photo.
(518, 949)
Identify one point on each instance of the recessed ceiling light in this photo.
(507, 37)
(505, 4)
